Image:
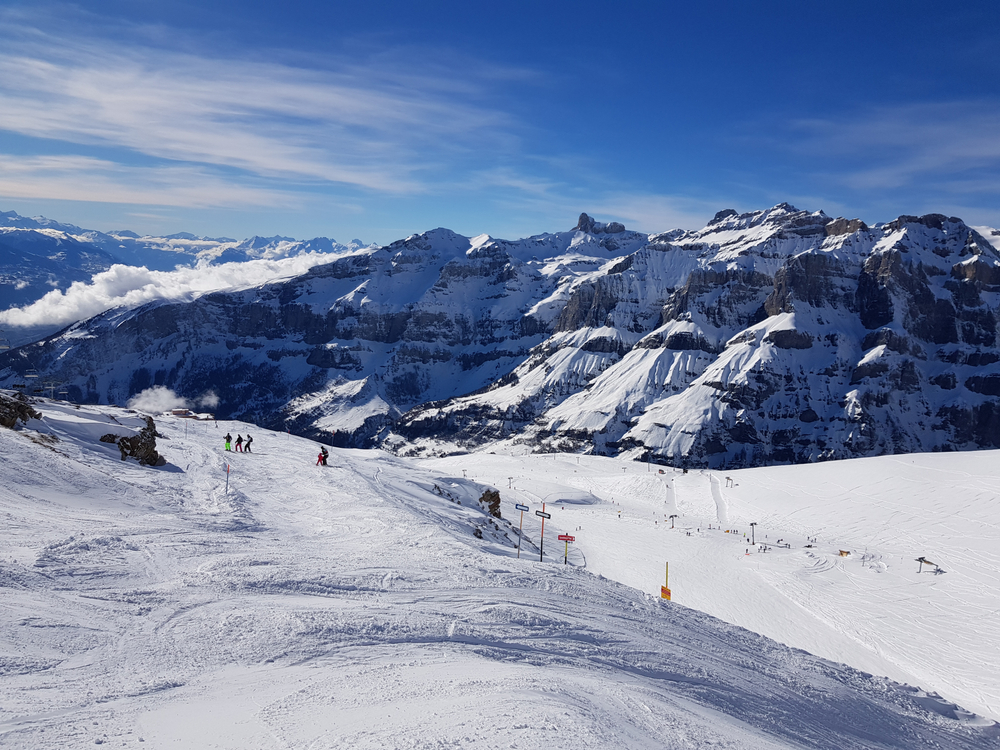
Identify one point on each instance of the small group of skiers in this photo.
(242, 446)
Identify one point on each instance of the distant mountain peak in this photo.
(589, 225)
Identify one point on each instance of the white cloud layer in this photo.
(130, 286)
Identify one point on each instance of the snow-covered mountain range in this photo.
(772, 336)
(236, 600)
(38, 254)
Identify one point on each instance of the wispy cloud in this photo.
(385, 127)
(903, 146)
(82, 178)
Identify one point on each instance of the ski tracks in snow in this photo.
(358, 610)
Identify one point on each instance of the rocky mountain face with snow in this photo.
(767, 337)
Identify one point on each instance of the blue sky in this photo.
(377, 120)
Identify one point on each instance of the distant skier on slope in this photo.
(246, 445)
(239, 443)
(323, 455)
(229, 441)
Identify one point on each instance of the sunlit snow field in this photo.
(352, 606)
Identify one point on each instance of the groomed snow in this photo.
(871, 609)
(352, 606)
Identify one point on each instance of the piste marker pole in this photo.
(566, 538)
(520, 527)
(541, 543)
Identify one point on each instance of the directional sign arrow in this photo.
(566, 538)
(521, 507)
(543, 515)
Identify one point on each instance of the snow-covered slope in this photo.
(876, 609)
(353, 606)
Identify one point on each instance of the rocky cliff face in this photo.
(776, 336)
(772, 336)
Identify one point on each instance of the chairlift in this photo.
(37, 390)
(4, 343)
(31, 374)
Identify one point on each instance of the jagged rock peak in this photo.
(590, 226)
(723, 214)
(839, 226)
(931, 221)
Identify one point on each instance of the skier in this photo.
(323, 455)
(239, 443)
(229, 440)
(246, 445)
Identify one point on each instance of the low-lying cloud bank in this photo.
(130, 286)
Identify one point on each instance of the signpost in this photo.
(664, 590)
(541, 543)
(566, 538)
(227, 479)
(521, 508)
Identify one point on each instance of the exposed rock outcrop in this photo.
(491, 501)
(16, 409)
(141, 446)
(590, 226)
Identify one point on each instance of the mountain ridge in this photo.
(771, 336)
